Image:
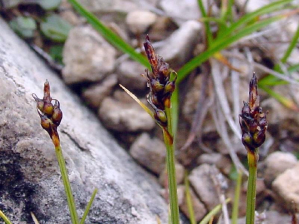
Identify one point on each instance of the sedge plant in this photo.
(51, 116)
(253, 124)
(161, 82)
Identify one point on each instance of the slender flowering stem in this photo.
(161, 81)
(51, 116)
(251, 189)
(253, 125)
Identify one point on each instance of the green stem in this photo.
(170, 163)
(189, 200)
(235, 212)
(251, 189)
(173, 198)
(67, 186)
(6, 220)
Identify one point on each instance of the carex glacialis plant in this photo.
(254, 125)
(161, 82)
(51, 115)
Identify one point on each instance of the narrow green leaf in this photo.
(88, 206)
(109, 35)
(291, 46)
(6, 220)
(189, 199)
(250, 16)
(221, 44)
(213, 212)
(55, 28)
(284, 101)
(207, 25)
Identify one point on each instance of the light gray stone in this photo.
(181, 11)
(123, 116)
(139, 21)
(87, 56)
(129, 75)
(179, 46)
(96, 93)
(203, 185)
(276, 163)
(30, 179)
(121, 6)
(286, 186)
(149, 152)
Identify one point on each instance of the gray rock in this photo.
(129, 75)
(96, 93)
(276, 163)
(123, 116)
(30, 179)
(201, 180)
(286, 186)
(149, 152)
(139, 21)
(217, 159)
(179, 46)
(122, 6)
(198, 206)
(179, 173)
(181, 11)
(87, 56)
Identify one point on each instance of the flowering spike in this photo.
(253, 120)
(50, 115)
(161, 83)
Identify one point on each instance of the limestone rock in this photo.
(201, 180)
(121, 6)
(129, 75)
(123, 116)
(181, 11)
(87, 56)
(276, 163)
(149, 152)
(179, 46)
(139, 21)
(96, 93)
(29, 175)
(286, 186)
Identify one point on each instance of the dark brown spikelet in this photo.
(160, 82)
(253, 120)
(50, 115)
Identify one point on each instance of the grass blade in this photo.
(6, 220)
(109, 35)
(235, 212)
(291, 46)
(213, 212)
(207, 25)
(88, 206)
(250, 16)
(221, 44)
(189, 200)
(284, 101)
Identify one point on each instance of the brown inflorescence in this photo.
(253, 120)
(160, 83)
(50, 115)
